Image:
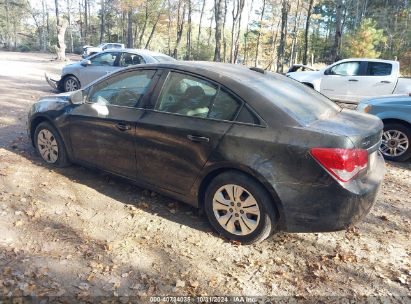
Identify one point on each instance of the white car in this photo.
(351, 80)
(89, 50)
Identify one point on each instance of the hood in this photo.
(390, 100)
(62, 97)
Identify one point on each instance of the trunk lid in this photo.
(363, 130)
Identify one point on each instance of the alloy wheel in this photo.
(236, 209)
(47, 145)
(71, 85)
(394, 143)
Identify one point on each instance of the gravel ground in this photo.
(77, 233)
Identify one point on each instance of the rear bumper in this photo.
(326, 208)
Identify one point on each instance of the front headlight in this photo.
(366, 108)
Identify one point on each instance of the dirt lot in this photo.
(74, 232)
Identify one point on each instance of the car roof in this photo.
(367, 59)
(138, 51)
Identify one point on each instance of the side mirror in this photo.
(77, 97)
(85, 62)
(327, 72)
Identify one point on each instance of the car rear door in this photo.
(380, 79)
(101, 64)
(102, 130)
(180, 129)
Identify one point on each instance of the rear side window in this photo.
(379, 69)
(192, 96)
(247, 116)
(225, 107)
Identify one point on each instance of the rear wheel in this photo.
(239, 208)
(395, 144)
(70, 84)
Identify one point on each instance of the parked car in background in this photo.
(257, 150)
(352, 80)
(91, 50)
(395, 112)
(78, 75)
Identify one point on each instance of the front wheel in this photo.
(395, 143)
(70, 84)
(239, 208)
(50, 146)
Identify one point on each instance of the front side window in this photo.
(104, 59)
(346, 69)
(124, 90)
(128, 59)
(379, 69)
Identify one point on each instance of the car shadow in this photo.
(120, 189)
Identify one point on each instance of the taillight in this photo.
(344, 164)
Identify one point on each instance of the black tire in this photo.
(61, 155)
(70, 84)
(406, 131)
(268, 218)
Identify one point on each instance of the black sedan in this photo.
(258, 151)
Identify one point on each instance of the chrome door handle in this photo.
(122, 126)
(385, 81)
(195, 138)
(353, 80)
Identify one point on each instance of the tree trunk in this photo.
(247, 32)
(210, 29)
(283, 37)
(295, 34)
(85, 22)
(238, 6)
(259, 34)
(218, 12)
(180, 25)
(223, 32)
(154, 26)
(61, 45)
(143, 30)
(188, 44)
(307, 30)
(199, 25)
(102, 22)
(335, 55)
(130, 28)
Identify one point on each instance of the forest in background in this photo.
(270, 34)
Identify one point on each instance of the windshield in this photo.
(301, 102)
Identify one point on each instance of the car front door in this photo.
(101, 64)
(344, 81)
(102, 130)
(176, 136)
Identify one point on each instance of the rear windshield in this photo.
(163, 58)
(300, 101)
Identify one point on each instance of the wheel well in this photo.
(309, 85)
(399, 121)
(35, 122)
(210, 176)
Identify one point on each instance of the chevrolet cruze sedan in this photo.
(258, 151)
